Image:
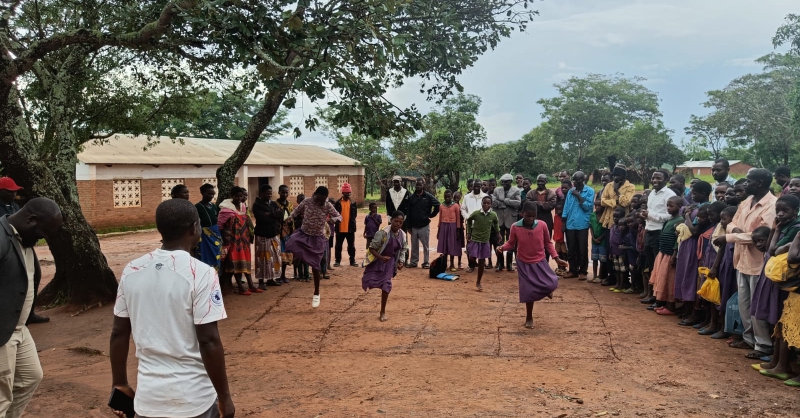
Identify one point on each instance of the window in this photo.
(320, 181)
(296, 186)
(127, 193)
(211, 181)
(340, 180)
(166, 187)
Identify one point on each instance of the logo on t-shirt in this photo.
(158, 266)
(216, 297)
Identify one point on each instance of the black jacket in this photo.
(421, 208)
(269, 218)
(8, 209)
(351, 226)
(390, 209)
(13, 281)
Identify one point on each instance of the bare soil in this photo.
(446, 350)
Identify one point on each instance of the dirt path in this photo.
(446, 350)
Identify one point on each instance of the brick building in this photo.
(738, 169)
(120, 183)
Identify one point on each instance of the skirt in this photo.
(727, 277)
(307, 248)
(208, 248)
(378, 275)
(268, 257)
(663, 278)
(686, 271)
(286, 257)
(479, 250)
(790, 320)
(536, 281)
(448, 240)
(767, 300)
(460, 237)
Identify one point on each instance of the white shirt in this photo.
(397, 197)
(472, 202)
(165, 294)
(657, 208)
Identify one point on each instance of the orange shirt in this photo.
(345, 224)
(450, 214)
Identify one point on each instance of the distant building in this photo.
(121, 184)
(703, 168)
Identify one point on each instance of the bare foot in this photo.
(480, 288)
(383, 317)
(550, 296)
(529, 323)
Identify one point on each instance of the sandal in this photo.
(781, 376)
(742, 344)
(793, 383)
(470, 270)
(756, 355)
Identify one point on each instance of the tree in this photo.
(642, 147)
(449, 135)
(588, 107)
(706, 134)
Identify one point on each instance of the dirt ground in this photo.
(446, 350)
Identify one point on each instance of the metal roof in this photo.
(128, 149)
(704, 164)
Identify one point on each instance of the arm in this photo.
(299, 210)
(435, 207)
(118, 354)
(464, 214)
(794, 251)
(515, 201)
(608, 198)
(773, 241)
(331, 211)
(626, 195)
(497, 203)
(213, 356)
(495, 224)
(550, 203)
(714, 272)
(587, 203)
(469, 222)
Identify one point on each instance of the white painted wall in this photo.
(169, 171)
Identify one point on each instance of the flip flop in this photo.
(245, 293)
(756, 355)
(781, 376)
(611, 289)
(756, 366)
(453, 269)
(792, 383)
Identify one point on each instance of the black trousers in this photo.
(351, 246)
(651, 239)
(578, 243)
(505, 234)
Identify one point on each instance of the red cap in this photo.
(6, 183)
(346, 188)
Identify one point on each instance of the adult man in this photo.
(545, 199)
(20, 371)
(346, 229)
(720, 171)
(396, 197)
(519, 178)
(523, 194)
(269, 221)
(8, 196)
(782, 176)
(755, 211)
(577, 208)
(472, 202)
(422, 206)
(506, 202)
(618, 193)
(171, 303)
(655, 216)
(677, 183)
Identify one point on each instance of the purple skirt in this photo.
(767, 300)
(536, 281)
(307, 248)
(378, 275)
(686, 271)
(727, 277)
(448, 239)
(479, 250)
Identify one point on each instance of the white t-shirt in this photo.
(165, 294)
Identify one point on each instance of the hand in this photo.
(674, 261)
(499, 251)
(364, 235)
(331, 222)
(737, 230)
(644, 214)
(595, 240)
(720, 241)
(384, 258)
(469, 236)
(126, 389)
(226, 408)
(713, 272)
(575, 193)
(561, 263)
(400, 265)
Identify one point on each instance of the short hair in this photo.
(529, 206)
(703, 187)
(397, 213)
(724, 183)
(619, 209)
(447, 191)
(283, 186)
(264, 187)
(783, 171)
(236, 190)
(680, 178)
(761, 174)
(486, 197)
(174, 217)
(176, 189)
(493, 179)
(371, 204)
(678, 199)
(527, 178)
(730, 211)
(717, 207)
(761, 231)
(322, 191)
(663, 173)
(205, 187)
(724, 162)
(567, 181)
(791, 200)
(739, 182)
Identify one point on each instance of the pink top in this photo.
(530, 243)
(449, 214)
(315, 216)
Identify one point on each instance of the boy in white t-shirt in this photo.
(170, 302)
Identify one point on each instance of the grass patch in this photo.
(119, 229)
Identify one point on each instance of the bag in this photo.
(710, 289)
(781, 273)
(733, 320)
(438, 267)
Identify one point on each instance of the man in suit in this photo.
(20, 371)
(506, 201)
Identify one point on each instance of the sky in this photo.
(682, 47)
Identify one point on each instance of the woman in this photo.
(208, 249)
(233, 216)
(387, 251)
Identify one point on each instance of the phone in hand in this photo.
(119, 401)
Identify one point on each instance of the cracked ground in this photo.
(447, 350)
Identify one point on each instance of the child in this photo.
(641, 262)
(731, 197)
(372, 223)
(599, 243)
(287, 228)
(631, 253)
(663, 274)
(720, 191)
(794, 187)
(688, 259)
(384, 258)
(536, 278)
(300, 268)
(723, 268)
(460, 229)
(635, 202)
(449, 215)
(481, 225)
(707, 253)
(617, 250)
(308, 242)
(558, 237)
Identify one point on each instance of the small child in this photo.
(631, 253)
(706, 247)
(618, 254)
(641, 263)
(372, 223)
(532, 240)
(460, 230)
(635, 202)
(558, 237)
(663, 274)
(599, 243)
(225, 262)
(794, 187)
(724, 268)
(481, 225)
(323, 268)
(449, 215)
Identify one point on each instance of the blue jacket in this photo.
(575, 214)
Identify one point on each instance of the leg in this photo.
(351, 247)
(583, 251)
(315, 298)
(594, 267)
(452, 261)
(384, 299)
(481, 266)
(424, 237)
(572, 251)
(18, 357)
(761, 334)
(250, 281)
(414, 260)
(239, 282)
(338, 249)
(529, 315)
